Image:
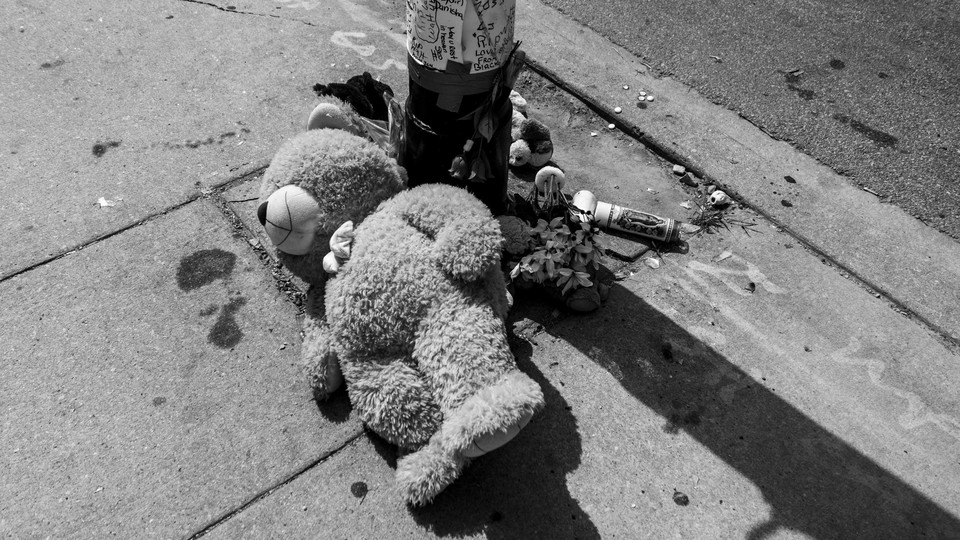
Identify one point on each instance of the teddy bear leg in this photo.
(483, 396)
(493, 416)
(320, 364)
(483, 423)
(392, 398)
(423, 474)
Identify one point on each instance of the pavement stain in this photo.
(100, 148)
(807, 95)
(203, 268)
(226, 332)
(875, 135)
(666, 349)
(209, 141)
(793, 79)
(54, 64)
(359, 489)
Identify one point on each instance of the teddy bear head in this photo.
(316, 182)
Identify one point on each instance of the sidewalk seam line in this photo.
(256, 169)
(282, 279)
(101, 237)
(270, 490)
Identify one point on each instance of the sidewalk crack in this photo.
(232, 9)
(270, 490)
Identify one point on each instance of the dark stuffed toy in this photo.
(362, 92)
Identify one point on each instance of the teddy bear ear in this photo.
(329, 116)
(262, 213)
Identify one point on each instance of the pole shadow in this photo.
(814, 481)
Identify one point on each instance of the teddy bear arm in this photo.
(467, 250)
(393, 399)
(467, 240)
(317, 356)
(319, 361)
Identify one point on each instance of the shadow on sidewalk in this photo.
(813, 481)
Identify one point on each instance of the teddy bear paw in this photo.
(325, 383)
(423, 474)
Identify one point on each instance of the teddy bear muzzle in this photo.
(289, 217)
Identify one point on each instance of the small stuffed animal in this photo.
(414, 317)
(518, 102)
(532, 144)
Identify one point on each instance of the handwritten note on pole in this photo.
(478, 32)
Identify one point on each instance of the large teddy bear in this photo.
(415, 314)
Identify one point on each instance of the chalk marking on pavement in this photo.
(348, 40)
(368, 18)
(389, 62)
(345, 40)
(917, 413)
(751, 273)
(299, 4)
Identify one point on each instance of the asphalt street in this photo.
(869, 88)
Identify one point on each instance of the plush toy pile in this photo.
(414, 317)
(532, 145)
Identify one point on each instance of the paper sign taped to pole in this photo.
(474, 32)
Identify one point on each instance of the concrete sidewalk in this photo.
(803, 384)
